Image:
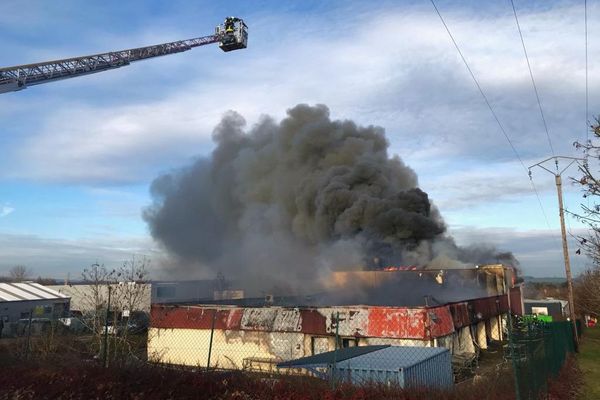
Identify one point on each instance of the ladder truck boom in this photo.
(231, 35)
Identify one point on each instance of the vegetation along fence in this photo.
(538, 350)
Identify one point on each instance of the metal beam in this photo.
(20, 76)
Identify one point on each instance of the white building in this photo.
(25, 299)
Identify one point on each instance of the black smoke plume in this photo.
(288, 201)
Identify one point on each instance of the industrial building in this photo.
(547, 309)
(83, 295)
(254, 337)
(256, 334)
(26, 300)
(163, 292)
(194, 291)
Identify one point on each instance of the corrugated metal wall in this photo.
(432, 372)
(408, 367)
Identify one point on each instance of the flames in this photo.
(400, 268)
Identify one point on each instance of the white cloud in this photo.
(6, 210)
(404, 76)
(395, 68)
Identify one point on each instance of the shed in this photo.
(407, 367)
(554, 308)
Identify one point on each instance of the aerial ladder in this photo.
(231, 35)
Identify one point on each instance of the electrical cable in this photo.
(587, 110)
(492, 111)
(537, 96)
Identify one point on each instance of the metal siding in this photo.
(486, 307)
(396, 323)
(411, 367)
(359, 321)
(440, 322)
(366, 376)
(13, 310)
(258, 319)
(353, 321)
(434, 372)
(288, 320)
(460, 314)
(313, 322)
(465, 313)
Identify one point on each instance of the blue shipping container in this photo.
(407, 367)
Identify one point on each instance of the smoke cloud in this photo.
(290, 201)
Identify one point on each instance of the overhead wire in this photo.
(587, 110)
(512, 146)
(537, 96)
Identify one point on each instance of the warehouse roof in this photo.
(382, 357)
(546, 301)
(329, 356)
(26, 291)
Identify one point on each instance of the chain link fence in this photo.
(538, 351)
(102, 337)
(359, 346)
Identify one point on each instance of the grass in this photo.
(589, 363)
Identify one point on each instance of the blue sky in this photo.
(77, 156)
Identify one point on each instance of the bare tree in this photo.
(132, 293)
(93, 296)
(590, 185)
(19, 273)
(587, 292)
(129, 297)
(587, 285)
(132, 302)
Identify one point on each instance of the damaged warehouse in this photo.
(316, 210)
(243, 334)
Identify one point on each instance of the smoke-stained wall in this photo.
(288, 201)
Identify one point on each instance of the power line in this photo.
(537, 96)
(587, 130)
(479, 87)
(537, 195)
(492, 111)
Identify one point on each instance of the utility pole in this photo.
(561, 213)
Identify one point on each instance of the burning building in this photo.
(281, 207)
(259, 333)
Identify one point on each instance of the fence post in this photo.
(510, 333)
(533, 387)
(105, 349)
(210, 342)
(28, 335)
(333, 367)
